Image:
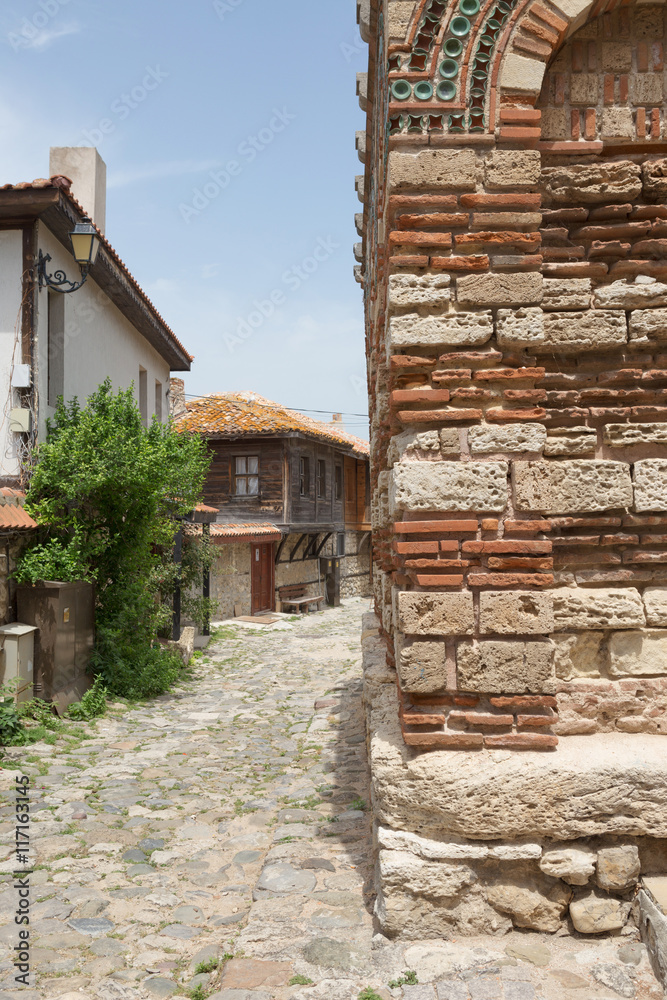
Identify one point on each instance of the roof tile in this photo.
(232, 414)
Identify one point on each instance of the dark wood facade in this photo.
(302, 483)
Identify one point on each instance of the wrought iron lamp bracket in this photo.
(58, 280)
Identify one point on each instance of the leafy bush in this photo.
(108, 493)
(92, 704)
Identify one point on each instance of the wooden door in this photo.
(262, 585)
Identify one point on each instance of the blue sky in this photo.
(228, 130)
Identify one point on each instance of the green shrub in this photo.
(108, 494)
(92, 704)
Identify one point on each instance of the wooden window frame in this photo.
(304, 476)
(246, 475)
(338, 482)
(321, 479)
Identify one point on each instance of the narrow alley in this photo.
(216, 843)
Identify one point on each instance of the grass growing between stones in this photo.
(368, 993)
(299, 980)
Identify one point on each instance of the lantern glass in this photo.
(85, 242)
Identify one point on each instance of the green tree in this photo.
(108, 493)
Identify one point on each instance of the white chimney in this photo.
(88, 173)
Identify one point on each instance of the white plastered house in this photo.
(54, 343)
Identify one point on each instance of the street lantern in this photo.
(85, 244)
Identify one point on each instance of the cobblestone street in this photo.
(216, 843)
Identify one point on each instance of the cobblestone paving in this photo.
(228, 818)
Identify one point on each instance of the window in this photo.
(321, 478)
(340, 549)
(158, 400)
(246, 475)
(55, 335)
(304, 477)
(143, 395)
(338, 487)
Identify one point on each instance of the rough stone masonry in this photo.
(514, 267)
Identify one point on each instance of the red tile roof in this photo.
(234, 414)
(64, 184)
(12, 515)
(260, 529)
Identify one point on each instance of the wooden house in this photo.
(293, 499)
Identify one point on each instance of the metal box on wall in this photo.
(64, 613)
(17, 658)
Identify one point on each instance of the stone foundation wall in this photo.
(481, 841)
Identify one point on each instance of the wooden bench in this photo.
(294, 596)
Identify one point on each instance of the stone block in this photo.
(597, 914)
(571, 486)
(404, 870)
(469, 328)
(432, 169)
(566, 293)
(618, 123)
(654, 177)
(534, 903)
(421, 667)
(520, 327)
(488, 439)
(648, 324)
(519, 73)
(655, 605)
(511, 168)
(627, 435)
(579, 654)
(450, 441)
(431, 850)
(587, 330)
(597, 608)
(630, 295)
(618, 868)
(449, 486)
(646, 88)
(555, 124)
(574, 865)
(499, 289)
(650, 484)
(414, 447)
(399, 15)
(616, 57)
(413, 290)
(501, 667)
(436, 614)
(584, 88)
(514, 612)
(571, 441)
(638, 653)
(591, 183)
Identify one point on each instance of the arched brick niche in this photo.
(607, 82)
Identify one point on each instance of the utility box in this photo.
(20, 420)
(17, 658)
(64, 614)
(330, 571)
